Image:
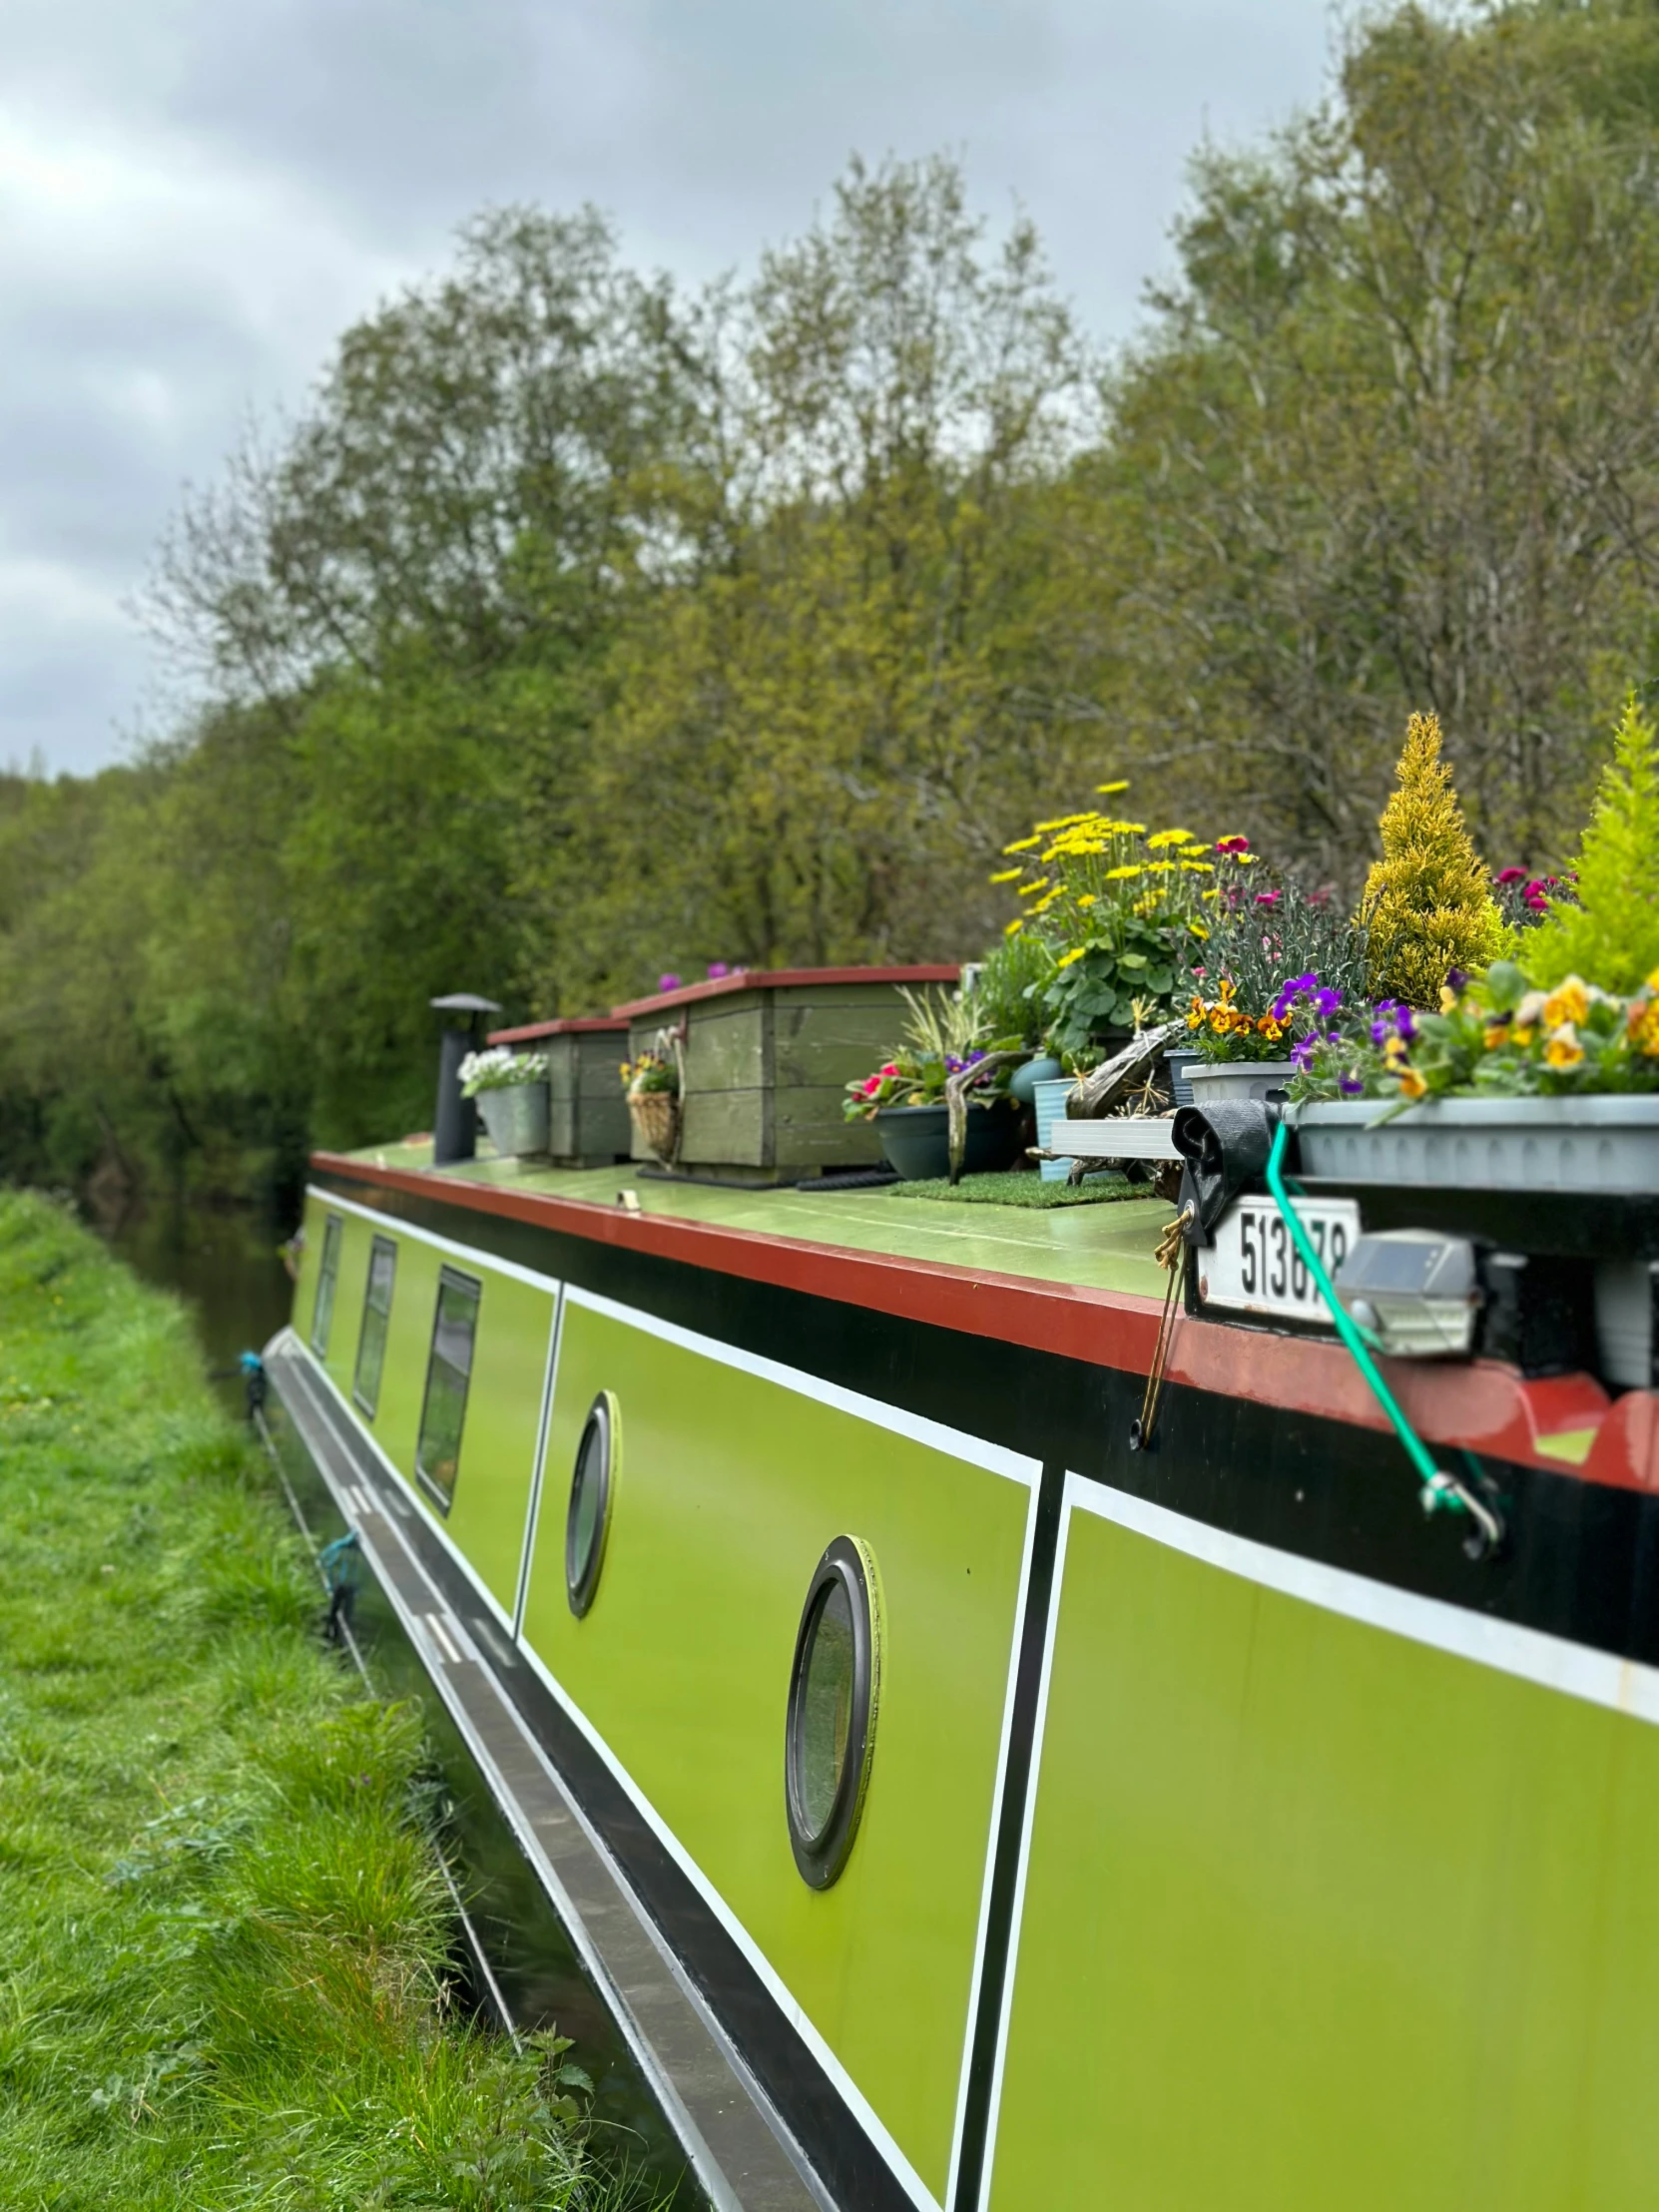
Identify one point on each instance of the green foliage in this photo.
(1009, 991)
(1612, 936)
(1107, 986)
(1259, 944)
(226, 1932)
(1427, 907)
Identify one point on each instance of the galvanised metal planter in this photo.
(516, 1118)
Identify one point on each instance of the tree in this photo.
(1611, 938)
(1428, 906)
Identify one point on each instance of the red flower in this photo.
(1232, 845)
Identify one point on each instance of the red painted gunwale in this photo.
(1483, 1405)
(568, 1025)
(771, 980)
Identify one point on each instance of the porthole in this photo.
(592, 1494)
(834, 1694)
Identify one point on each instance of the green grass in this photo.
(223, 1932)
(1014, 1189)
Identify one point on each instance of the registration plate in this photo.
(1253, 1265)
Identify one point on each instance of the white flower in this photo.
(499, 1069)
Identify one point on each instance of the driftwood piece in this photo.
(1098, 1092)
(956, 1088)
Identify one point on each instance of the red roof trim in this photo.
(1483, 1405)
(750, 979)
(567, 1026)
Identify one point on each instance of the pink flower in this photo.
(668, 982)
(718, 968)
(1267, 898)
(1233, 844)
(1510, 876)
(870, 1085)
(890, 1068)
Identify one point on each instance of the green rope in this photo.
(1440, 1491)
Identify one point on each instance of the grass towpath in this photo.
(223, 1932)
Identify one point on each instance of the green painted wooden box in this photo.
(768, 1055)
(587, 1123)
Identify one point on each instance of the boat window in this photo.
(372, 1339)
(834, 1690)
(327, 1274)
(448, 1372)
(592, 1491)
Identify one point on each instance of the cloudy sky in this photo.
(196, 196)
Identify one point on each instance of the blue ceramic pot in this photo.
(1022, 1083)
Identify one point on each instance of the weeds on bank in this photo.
(221, 1979)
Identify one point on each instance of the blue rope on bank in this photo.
(1441, 1492)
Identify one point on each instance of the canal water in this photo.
(227, 1267)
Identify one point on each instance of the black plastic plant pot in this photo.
(835, 1698)
(916, 1140)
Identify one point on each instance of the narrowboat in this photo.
(1001, 1737)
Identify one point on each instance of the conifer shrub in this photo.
(1428, 906)
(1611, 938)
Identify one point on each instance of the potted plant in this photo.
(511, 1091)
(1120, 909)
(906, 1096)
(651, 1084)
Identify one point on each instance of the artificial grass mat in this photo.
(226, 1971)
(1014, 1189)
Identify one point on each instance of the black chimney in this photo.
(455, 1122)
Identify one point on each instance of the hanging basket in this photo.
(656, 1119)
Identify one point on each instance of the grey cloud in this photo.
(194, 197)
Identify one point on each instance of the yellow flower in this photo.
(1495, 1036)
(1122, 875)
(1652, 983)
(1195, 1020)
(1085, 900)
(1007, 876)
(1030, 891)
(1199, 867)
(1013, 929)
(1393, 1052)
(1022, 845)
(1644, 1030)
(1066, 958)
(1563, 1049)
(1062, 822)
(1411, 1083)
(1160, 868)
(1106, 790)
(1197, 928)
(1161, 837)
(1570, 1002)
(1448, 999)
(1267, 1027)
(1194, 851)
(1524, 1033)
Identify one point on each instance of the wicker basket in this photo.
(656, 1119)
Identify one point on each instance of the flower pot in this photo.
(916, 1140)
(515, 1117)
(1213, 1080)
(656, 1119)
(1181, 1063)
(1605, 1145)
(1050, 1102)
(1022, 1084)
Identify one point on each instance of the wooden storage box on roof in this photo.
(769, 1053)
(587, 1111)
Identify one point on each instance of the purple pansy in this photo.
(668, 982)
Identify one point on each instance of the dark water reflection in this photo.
(225, 1266)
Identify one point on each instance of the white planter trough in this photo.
(1603, 1145)
(1217, 1079)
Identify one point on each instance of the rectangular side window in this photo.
(327, 1274)
(371, 1344)
(454, 1326)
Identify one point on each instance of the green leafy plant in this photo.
(1008, 990)
(1428, 909)
(1613, 933)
